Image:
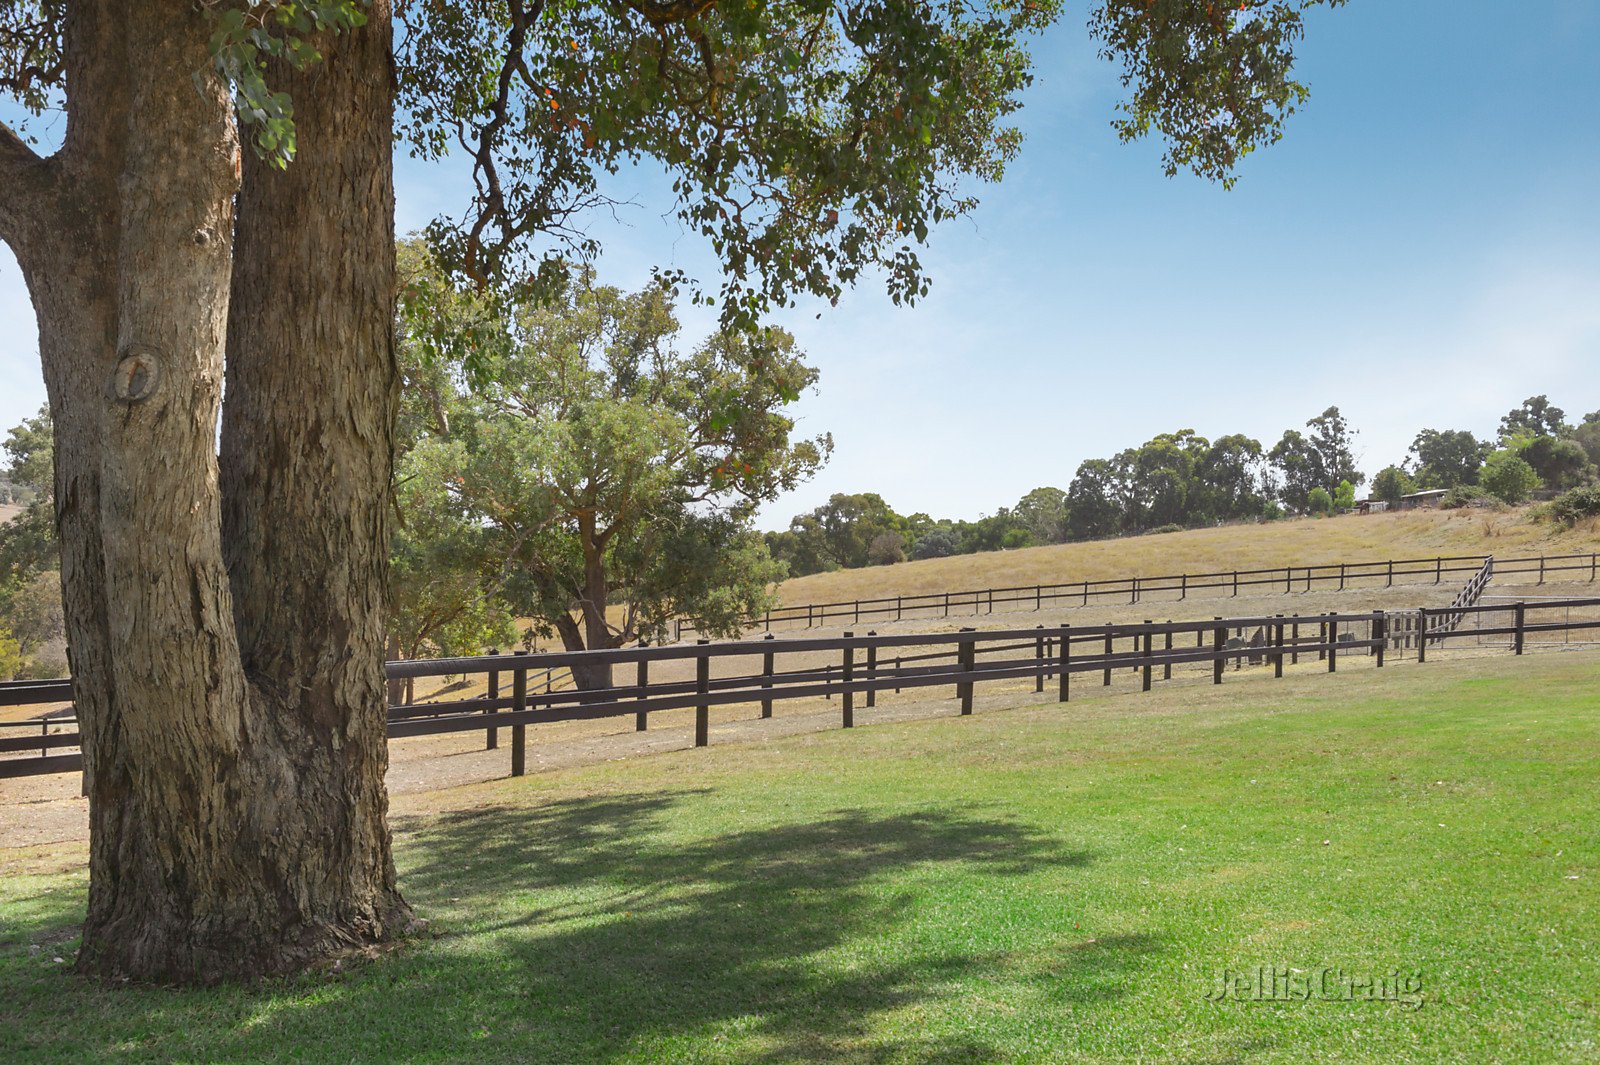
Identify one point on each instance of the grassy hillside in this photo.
(1029, 885)
(1413, 534)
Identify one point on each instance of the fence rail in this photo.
(1468, 596)
(1332, 575)
(853, 666)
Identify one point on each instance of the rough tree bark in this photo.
(307, 458)
(220, 844)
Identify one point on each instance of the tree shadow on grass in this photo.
(596, 928)
(771, 932)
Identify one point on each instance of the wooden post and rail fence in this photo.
(850, 666)
(1331, 576)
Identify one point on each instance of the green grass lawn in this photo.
(1041, 884)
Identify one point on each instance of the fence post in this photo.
(1519, 623)
(1390, 584)
(1380, 636)
(702, 685)
(519, 731)
(872, 670)
(1341, 576)
(1438, 570)
(1135, 598)
(766, 681)
(1594, 558)
(1294, 651)
(1218, 637)
(1235, 584)
(1422, 634)
(641, 720)
(946, 604)
(897, 607)
(1541, 569)
(1147, 623)
(1038, 657)
(1322, 638)
(1107, 681)
(1183, 587)
(1166, 667)
(1038, 597)
(967, 656)
(1277, 657)
(1065, 687)
(1333, 643)
(492, 741)
(847, 668)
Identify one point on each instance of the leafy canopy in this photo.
(1215, 79)
(809, 142)
(1446, 458)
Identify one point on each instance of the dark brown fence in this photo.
(851, 667)
(1335, 576)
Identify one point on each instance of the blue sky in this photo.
(1423, 249)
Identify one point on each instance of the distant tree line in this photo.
(1183, 480)
(1535, 448)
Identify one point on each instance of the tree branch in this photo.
(666, 12)
(26, 177)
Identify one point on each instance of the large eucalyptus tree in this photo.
(220, 207)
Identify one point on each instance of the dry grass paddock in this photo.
(1301, 542)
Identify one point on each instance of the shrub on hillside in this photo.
(11, 660)
(1165, 529)
(1391, 483)
(1344, 498)
(1508, 478)
(1319, 502)
(1569, 508)
(886, 549)
(1012, 539)
(940, 543)
(43, 667)
(1467, 495)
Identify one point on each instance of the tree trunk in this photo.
(213, 848)
(307, 441)
(596, 633)
(589, 676)
(131, 332)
